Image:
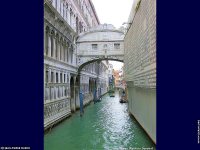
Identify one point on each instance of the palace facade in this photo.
(64, 20)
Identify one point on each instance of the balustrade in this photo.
(54, 108)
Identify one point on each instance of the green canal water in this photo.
(106, 125)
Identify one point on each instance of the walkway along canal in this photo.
(105, 125)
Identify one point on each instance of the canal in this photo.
(105, 125)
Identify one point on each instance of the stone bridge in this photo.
(103, 42)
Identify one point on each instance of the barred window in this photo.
(94, 46)
(117, 46)
(56, 77)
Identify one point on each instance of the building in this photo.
(64, 20)
(122, 81)
(100, 44)
(117, 77)
(140, 64)
(110, 76)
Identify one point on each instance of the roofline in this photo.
(93, 8)
(105, 30)
(133, 11)
(102, 41)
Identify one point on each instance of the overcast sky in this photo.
(114, 12)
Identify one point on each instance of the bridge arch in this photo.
(99, 44)
(103, 42)
(97, 60)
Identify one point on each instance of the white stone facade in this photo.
(63, 21)
(101, 42)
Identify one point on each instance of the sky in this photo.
(116, 65)
(114, 12)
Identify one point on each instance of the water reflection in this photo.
(105, 125)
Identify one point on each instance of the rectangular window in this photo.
(116, 46)
(64, 78)
(65, 92)
(61, 80)
(56, 77)
(94, 46)
(47, 76)
(51, 77)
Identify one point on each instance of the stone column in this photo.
(61, 8)
(54, 47)
(74, 90)
(58, 5)
(68, 16)
(69, 54)
(59, 86)
(65, 13)
(49, 45)
(71, 49)
(98, 79)
(64, 47)
(58, 49)
(53, 71)
(61, 50)
(71, 16)
(45, 42)
(49, 81)
(66, 52)
(74, 24)
(54, 3)
(54, 81)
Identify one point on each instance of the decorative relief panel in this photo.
(52, 109)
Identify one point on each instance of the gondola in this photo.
(112, 93)
(122, 99)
